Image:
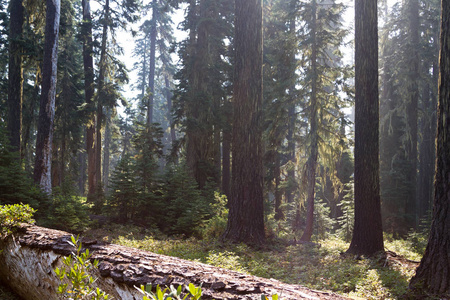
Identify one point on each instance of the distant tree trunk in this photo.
(425, 177)
(82, 178)
(43, 161)
(368, 233)
(433, 274)
(291, 118)
(15, 75)
(226, 151)
(144, 68)
(100, 97)
(88, 63)
(279, 215)
(151, 79)
(246, 216)
(28, 149)
(62, 156)
(411, 109)
(106, 151)
(311, 164)
(169, 109)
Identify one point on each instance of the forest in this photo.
(301, 140)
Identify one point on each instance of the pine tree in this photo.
(431, 278)
(323, 78)
(202, 85)
(246, 216)
(122, 201)
(42, 167)
(367, 236)
(69, 120)
(15, 73)
(88, 65)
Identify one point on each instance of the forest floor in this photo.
(318, 266)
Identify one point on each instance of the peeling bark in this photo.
(29, 258)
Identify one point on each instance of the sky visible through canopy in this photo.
(125, 39)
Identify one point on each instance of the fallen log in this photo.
(30, 256)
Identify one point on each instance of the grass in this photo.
(318, 267)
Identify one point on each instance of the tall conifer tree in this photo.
(432, 275)
(368, 233)
(246, 217)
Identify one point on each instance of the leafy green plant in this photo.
(171, 293)
(214, 227)
(76, 271)
(11, 215)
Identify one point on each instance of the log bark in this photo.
(30, 256)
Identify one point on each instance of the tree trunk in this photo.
(311, 164)
(151, 79)
(15, 75)
(88, 63)
(100, 98)
(43, 161)
(29, 259)
(368, 233)
(169, 109)
(226, 150)
(144, 68)
(411, 111)
(106, 148)
(279, 215)
(433, 274)
(425, 177)
(199, 128)
(290, 189)
(246, 215)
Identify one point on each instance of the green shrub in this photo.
(76, 271)
(11, 215)
(214, 227)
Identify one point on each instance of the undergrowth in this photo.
(320, 267)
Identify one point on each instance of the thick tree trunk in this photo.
(15, 74)
(88, 63)
(29, 259)
(311, 165)
(368, 233)
(246, 216)
(199, 129)
(43, 161)
(433, 274)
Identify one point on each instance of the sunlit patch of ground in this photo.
(318, 266)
